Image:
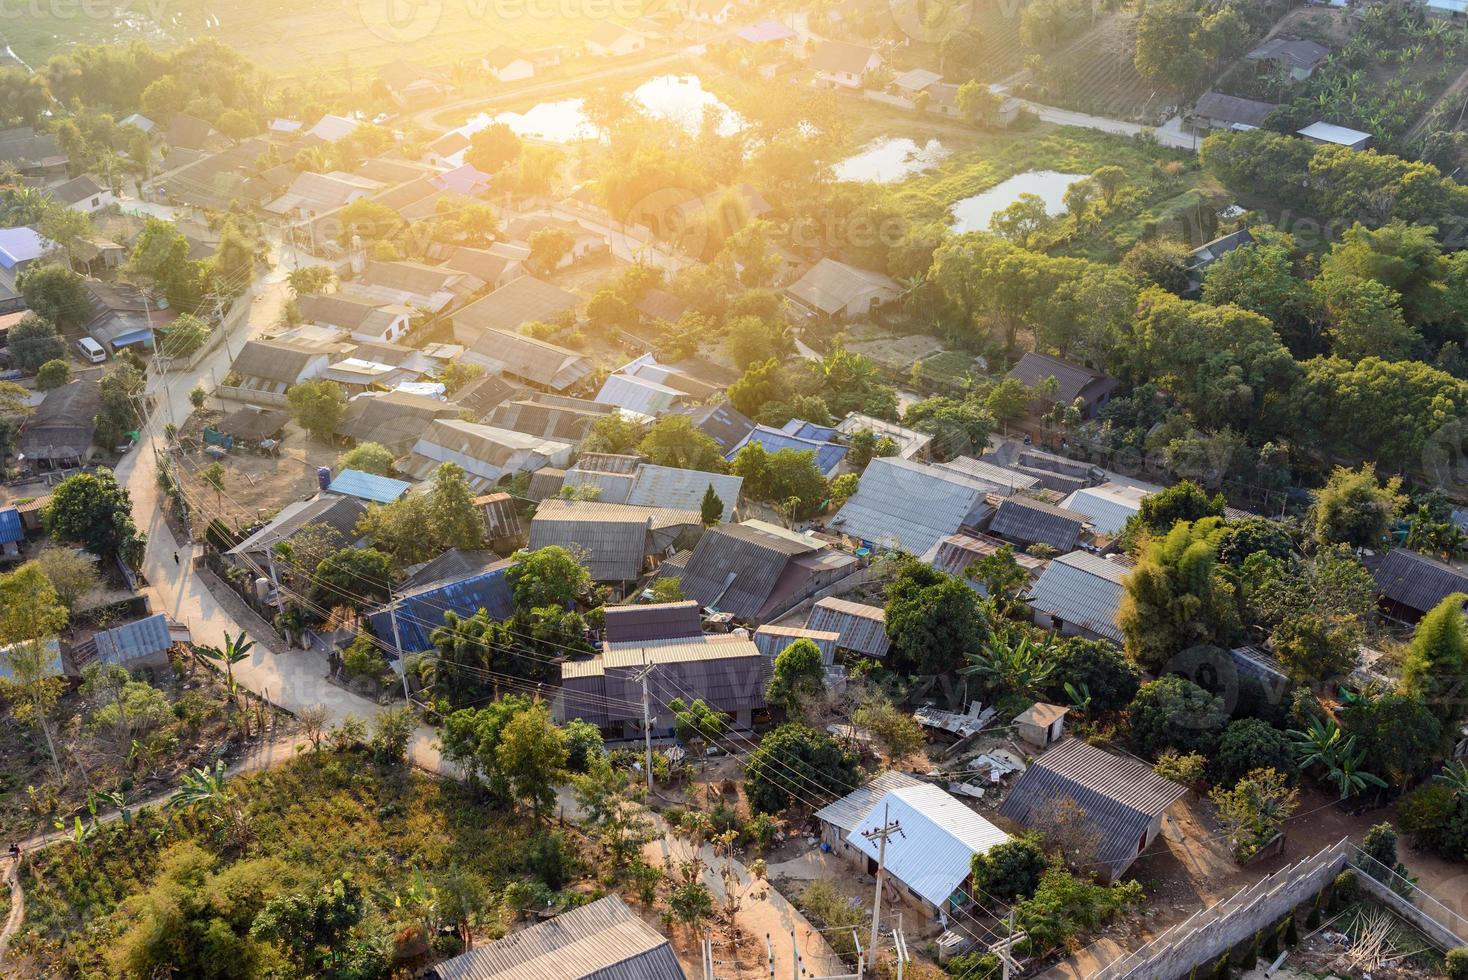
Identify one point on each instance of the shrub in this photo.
(825, 903)
(1010, 870)
(1191, 769)
(392, 730)
(1250, 744)
(1380, 844)
(53, 374)
(976, 966)
(1176, 713)
(1435, 818)
(760, 831)
(1345, 889)
(1064, 907)
(1456, 963)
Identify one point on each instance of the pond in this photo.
(884, 161)
(973, 213)
(679, 99)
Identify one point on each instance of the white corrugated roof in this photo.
(1325, 132)
(940, 836)
(1108, 506)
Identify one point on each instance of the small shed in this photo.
(1041, 724)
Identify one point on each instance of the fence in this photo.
(1214, 931)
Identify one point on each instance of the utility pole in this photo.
(646, 721)
(1008, 955)
(397, 642)
(880, 836)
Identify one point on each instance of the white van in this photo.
(91, 351)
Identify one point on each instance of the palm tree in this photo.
(205, 790)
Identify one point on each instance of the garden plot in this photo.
(1095, 74)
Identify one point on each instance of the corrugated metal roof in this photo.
(722, 423)
(1108, 506)
(54, 665)
(735, 567)
(341, 514)
(904, 504)
(420, 613)
(772, 641)
(940, 836)
(863, 628)
(910, 442)
(653, 621)
(641, 395)
(724, 670)
(1004, 480)
(1083, 590)
(612, 488)
(1031, 522)
(669, 486)
(603, 940)
(368, 486)
(1115, 799)
(705, 646)
(616, 538)
(852, 808)
(10, 529)
(134, 641)
(1417, 581)
(955, 553)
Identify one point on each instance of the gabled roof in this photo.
(940, 836)
(910, 442)
(606, 33)
(25, 148)
(615, 538)
(190, 132)
(722, 422)
(275, 360)
(341, 514)
(1108, 506)
(1248, 113)
(552, 416)
(1084, 590)
(849, 811)
(62, 426)
(131, 642)
(395, 419)
(11, 530)
(529, 359)
(735, 567)
(19, 245)
(668, 486)
(653, 621)
(351, 313)
(368, 486)
(1003, 479)
(830, 286)
(480, 263)
(1221, 246)
(863, 627)
(409, 277)
(332, 128)
(76, 189)
(1417, 581)
(522, 300)
(764, 32)
(421, 612)
(1300, 54)
(1073, 380)
(1116, 799)
(1324, 132)
(828, 455)
(502, 56)
(916, 79)
(1028, 521)
(954, 553)
(772, 641)
(842, 57)
(905, 504)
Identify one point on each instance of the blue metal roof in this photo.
(368, 486)
(722, 423)
(828, 454)
(10, 529)
(419, 615)
(809, 430)
(144, 336)
(132, 641)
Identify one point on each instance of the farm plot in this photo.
(1095, 74)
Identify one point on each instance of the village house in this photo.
(35, 156)
(363, 319)
(609, 40)
(841, 64)
(955, 554)
(757, 571)
(549, 416)
(460, 582)
(772, 641)
(835, 289)
(721, 422)
(909, 505)
(614, 540)
(524, 299)
(1108, 506)
(1410, 584)
(272, 366)
(83, 194)
(58, 433)
(494, 269)
(1079, 594)
(508, 64)
(488, 454)
(1333, 135)
(1072, 381)
(536, 362)
(827, 455)
(312, 195)
(1296, 58)
(1214, 110)
(394, 419)
(862, 628)
(1105, 810)
(256, 554)
(414, 85)
(1025, 521)
(412, 284)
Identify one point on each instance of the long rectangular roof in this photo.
(1083, 590)
(1033, 522)
(1108, 506)
(828, 455)
(1116, 799)
(616, 538)
(852, 808)
(604, 940)
(1417, 581)
(863, 628)
(525, 357)
(133, 641)
(905, 504)
(735, 567)
(653, 621)
(670, 486)
(940, 836)
(422, 612)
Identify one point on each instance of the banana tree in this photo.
(1455, 777)
(1347, 773)
(236, 649)
(1021, 668)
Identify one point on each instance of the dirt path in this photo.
(17, 907)
(1455, 89)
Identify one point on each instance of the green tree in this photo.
(121, 389)
(310, 927)
(1249, 744)
(55, 294)
(455, 520)
(30, 614)
(549, 576)
(532, 758)
(1177, 596)
(369, 457)
(824, 769)
(1255, 809)
(493, 147)
(696, 724)
(186, 334)
(751, 339)
(1356, 509)
(674, 440)
(614, 433)
(317, 406)
(1011, 663)
(798, 676)
(1400, 734)
(93, 509)
(35, 343)
(1011, 870)
(959, 428)
(1002, 577)
(1176, 713)
(781, 477)
(934, 621)
(359, 577)
(1183, 501)
(310, 279)
(71, 575)
(1366, 319)
(1437, 660)
(1165, 263)
(1096, 667)
(711, 508)
(53, 374)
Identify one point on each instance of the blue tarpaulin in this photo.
(10, 529)
(133, 338)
